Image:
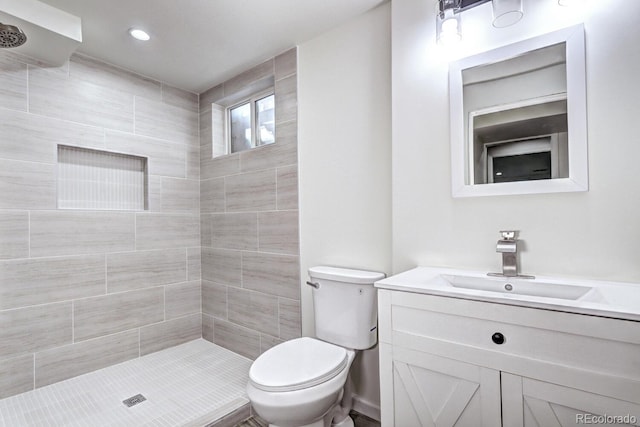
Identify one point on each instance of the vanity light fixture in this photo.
(449, 23)
(506, 12)
(139, 34)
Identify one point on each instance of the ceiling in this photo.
(196, 44)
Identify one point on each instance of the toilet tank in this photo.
(345, 306)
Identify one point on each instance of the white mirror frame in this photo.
(578, 179)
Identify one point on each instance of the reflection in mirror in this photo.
(511, 120)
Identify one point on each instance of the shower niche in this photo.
(101, 180)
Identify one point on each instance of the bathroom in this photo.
(359, 177)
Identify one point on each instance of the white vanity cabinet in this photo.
(455, 362)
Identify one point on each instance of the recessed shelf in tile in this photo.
(101, 180)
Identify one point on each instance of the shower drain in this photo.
(134, 400)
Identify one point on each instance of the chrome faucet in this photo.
(508, 247)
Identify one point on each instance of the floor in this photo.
(359, 420)
(193, 384)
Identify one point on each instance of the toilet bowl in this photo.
(299, 382)
(304, 382)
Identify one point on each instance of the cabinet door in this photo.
(533, 403)
(430, 390)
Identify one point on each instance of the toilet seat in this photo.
(297, 364)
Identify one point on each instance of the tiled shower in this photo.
(214, 254)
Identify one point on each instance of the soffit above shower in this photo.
(52, 34)
(197, 44)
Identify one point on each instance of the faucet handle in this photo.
(509, 234)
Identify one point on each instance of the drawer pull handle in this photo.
(497, 338)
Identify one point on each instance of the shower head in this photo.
(11, 36)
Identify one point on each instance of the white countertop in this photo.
(597, 298)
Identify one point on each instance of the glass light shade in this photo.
(506, 12)
(448, 22)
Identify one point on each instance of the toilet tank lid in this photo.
(345, 275)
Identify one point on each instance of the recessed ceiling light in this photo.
(139, 34)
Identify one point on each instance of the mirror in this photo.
(518, 118)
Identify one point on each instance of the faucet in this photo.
(508, 247)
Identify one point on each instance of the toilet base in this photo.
(347, 422)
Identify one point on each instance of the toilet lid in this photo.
(297, 364)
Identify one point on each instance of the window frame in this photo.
(251, 100)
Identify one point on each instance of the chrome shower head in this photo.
(11, 36)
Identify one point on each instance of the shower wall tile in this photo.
(207, 327)
(56, 266)
(13, 83)
(289, 318)
(219, 166)
(247, 78)
(61, 363)
(27, 185)
(236, 338)
(278, 232)
(287, 185)
(286, 99)
(286, 63)
(34, 138)
(180, 195)
(267, 341)
(85, 68)
(69, 98)
(164, 121)
(14, 234)
(222, 266)
(272, 274)
(214, 299)
(193, 160)
(234, 231)
(206, 125)
(217, 130)
(16, 375)
(281, 153)
(170, 333)
(253, 310)
(28, 282)
(69, 233)
(182, 299)
(212, 195)
(129, 271)
(180, 98)
(30, 329)
(193, 264)
(250, 263)
(164, 158)
(205, 229)
(253, 191)
(214, 94)
(97, 316)
(159, 231)
(154, 193)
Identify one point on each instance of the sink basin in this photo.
(598, 298)
(517, 286)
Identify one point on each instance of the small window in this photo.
(252, 123)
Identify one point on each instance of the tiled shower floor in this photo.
(192, 384)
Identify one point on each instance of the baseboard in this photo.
(366, 407)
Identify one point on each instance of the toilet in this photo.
(304, 382)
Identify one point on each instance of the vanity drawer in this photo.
(594, 344)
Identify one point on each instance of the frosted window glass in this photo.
(100, 180)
